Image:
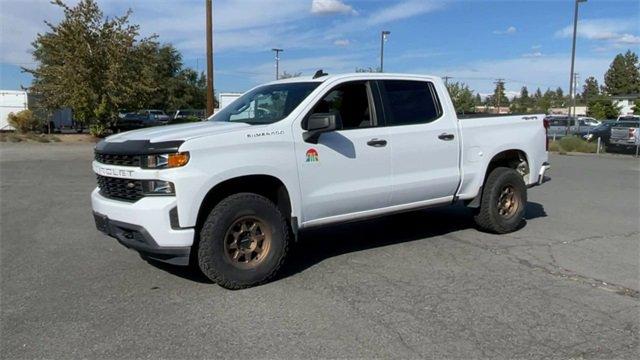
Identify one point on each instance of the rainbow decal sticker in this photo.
(312, 155)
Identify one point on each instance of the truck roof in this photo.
(352, 75)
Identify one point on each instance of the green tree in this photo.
(590, 89)
(523, 103)
(478, 100)
(91, 64)
(558, 99)
(602, 108)
(623, 76)
(176, 87)
(462, 97)
(498, 98)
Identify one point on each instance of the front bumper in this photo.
(144, 225)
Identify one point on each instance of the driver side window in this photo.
(351, 102)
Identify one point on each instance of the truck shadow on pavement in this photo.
(316, 245)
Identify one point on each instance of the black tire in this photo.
(213, 258)
(488, 216)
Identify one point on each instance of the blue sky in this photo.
(525, 42)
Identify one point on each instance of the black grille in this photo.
(122, 189)
(122, 160)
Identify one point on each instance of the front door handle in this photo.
(377, 142)
(445, 136)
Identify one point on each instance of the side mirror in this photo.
(319, 123)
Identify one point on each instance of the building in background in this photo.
(626, 103)
(492, 109)
(226, 98)
(580, 111)
(11, 101)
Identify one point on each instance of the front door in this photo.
(348, 172)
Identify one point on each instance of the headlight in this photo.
(165, 161)
(157, 187)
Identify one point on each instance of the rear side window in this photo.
(410, 102)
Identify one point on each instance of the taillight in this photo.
(545, 122)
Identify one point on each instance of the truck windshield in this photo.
(266, 104)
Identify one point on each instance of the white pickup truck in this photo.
(232, 193)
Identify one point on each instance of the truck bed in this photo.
(485, 137)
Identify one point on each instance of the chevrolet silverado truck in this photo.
(231, 194)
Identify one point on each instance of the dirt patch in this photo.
(13, 137)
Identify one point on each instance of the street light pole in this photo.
(573, 57)
(383, 38)
(210, 102)
(277, 51)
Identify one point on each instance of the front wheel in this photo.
(243, 242)
(504, 198)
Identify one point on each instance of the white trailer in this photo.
(11, 101)
(226, 99)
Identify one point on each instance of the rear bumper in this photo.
(623, 142)
(542, 178)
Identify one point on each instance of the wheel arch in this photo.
(268, 186)
(516, 159)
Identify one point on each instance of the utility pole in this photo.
(573, 53)
(573, 99)
(210, 102)
(383, 38)
(499, 83)
(446, 79)
(277, 51)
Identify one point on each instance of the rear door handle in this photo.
(377, 142)
(445, 136)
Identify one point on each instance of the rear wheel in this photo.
(504, 198)
(243, 242)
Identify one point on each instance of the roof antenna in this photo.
(319, 73)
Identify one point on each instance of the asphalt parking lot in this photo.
(418, 285)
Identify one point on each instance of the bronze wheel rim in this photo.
(508, 202)
(247, 242)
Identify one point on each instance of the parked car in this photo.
(231, 194)
(186, 114)
(589, 121)
(560, 126)
(625, 134)
(135, 120)
(602, 131)
(156, 115)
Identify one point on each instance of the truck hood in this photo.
(178, 131)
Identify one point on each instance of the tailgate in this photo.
(623, 135)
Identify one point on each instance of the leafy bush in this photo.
(573, 144)
(569, 143)
(98, 130)
(9, 137)
(23, 121)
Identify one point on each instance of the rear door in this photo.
(424, 142)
